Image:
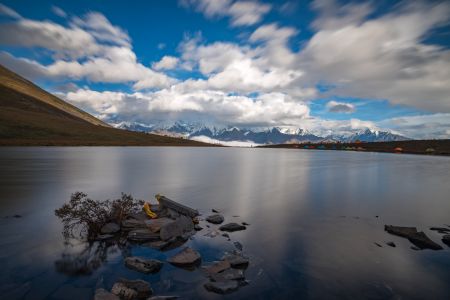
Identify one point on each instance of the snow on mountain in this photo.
(245, 136)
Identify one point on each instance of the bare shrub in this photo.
(83, 216)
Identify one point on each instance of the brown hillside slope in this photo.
(32, 116)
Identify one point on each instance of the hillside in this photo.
(31, 116)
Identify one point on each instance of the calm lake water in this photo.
(312, 215)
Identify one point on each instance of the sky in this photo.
(328, 66)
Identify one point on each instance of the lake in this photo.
(312, 214)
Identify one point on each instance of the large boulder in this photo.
(176, 228)
(230, 227)
(215, 219)
(185, 258)
(109, 228)
(132, 289)
(143, 265)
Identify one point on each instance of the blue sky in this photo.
(327, 66)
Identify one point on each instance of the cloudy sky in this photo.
(327, 66)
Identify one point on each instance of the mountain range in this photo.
(273, 135)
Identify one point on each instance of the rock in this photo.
(392, 244)
(378, 245)
(230, 274)
(222, 287)
(217, 267)
(155, 224)
(17, 216)
(132, 289)
(226, 235)
(102, 294)
(414, 248)
(142, 235)
(163, 298)
(186, 258)
(419, 239)
(446, 239)
(109, 228)
(103, 237)
(443, 230)
(238, 246)
(212, 233)
(143, 265)
(198, 227)
(236, 260)
(158, 245)
(245, 224)
(215, 219)
(176, 228)
(140, 216)
(230, 227)
(165, 203)
(215, 211)
(130, 224)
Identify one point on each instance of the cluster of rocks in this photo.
(174, 225)
(418, 238)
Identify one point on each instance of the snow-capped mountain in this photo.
(274, 135)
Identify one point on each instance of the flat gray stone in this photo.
(155, 224)
(215, 219)
(142, 235)
(230, 227)
(109, 228)
(222, 287)
(217, 267)
(185, 258)
(102, 294)
(176, 228)
(132, 289)
(143, 265)
(130, 224)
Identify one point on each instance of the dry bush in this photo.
(83, 216)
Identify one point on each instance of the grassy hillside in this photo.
(31, 116)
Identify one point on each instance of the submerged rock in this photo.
(186, 258)
(217, 267)
(143, 265)
(443, 230)
(102, 294)
(230, 274)
(378, 245)
(392, 244)
(238, 246)
(158, 245)
(446, 239)
(215, 219)
(419, 239)
(142, 235)
(132, 289)
(109, 228)
(236, 260)
(230, 227)
(222, 287)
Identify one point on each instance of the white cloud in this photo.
(241, 13)
(209, 140)
(59, 11)
(383, 57)
(166, 63)
(340, 107)
(7, 11)
(218, 107)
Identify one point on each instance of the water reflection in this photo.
(312, 216)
